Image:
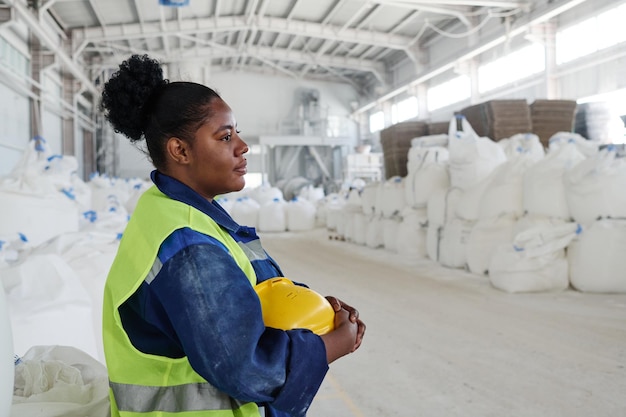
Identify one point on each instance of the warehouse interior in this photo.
(453, 169)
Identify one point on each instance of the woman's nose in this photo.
(244, 147)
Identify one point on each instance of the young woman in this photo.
(182, 324)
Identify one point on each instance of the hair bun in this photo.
(127, 93)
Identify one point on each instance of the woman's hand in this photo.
(344, 311)
(338, 305)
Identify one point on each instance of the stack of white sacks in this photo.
(58, 237)
(530, 219)
(265, 208)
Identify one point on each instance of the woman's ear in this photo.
(178, 150)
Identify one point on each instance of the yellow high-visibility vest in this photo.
(150, 385)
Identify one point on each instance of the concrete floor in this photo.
(443, 342)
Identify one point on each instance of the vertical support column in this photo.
(552, 87)
(421, 92)
(70, 89)
(386, 108)
(89, 153)
(36, 68)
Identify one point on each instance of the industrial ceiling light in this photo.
(174, 3)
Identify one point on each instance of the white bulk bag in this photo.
(411, 235)
(560, 139)
(442, 205)
(429, 176)
(27, 175)
(390, 232)
(272, 216)
(504, 192)
(48, 305)
(90, 254)
(440, 140)
(354, 199)
(340, 218)
(468, 206)
(60, 381)
(38, 217)
(535, 261)
(300, 215)
(597, 258)
(391, 197)
(543, 184)
(485, 236)
(104, 188)
(332, 204)
(369, 197)
(265, 193)
(472, 158)
(311, 193)
(61, 171)
(453, 243)
(418, 156)
(348, 226)
(6, 357)
(374, 238)
(433, 240)
(359, 228)
(532, 221)
(596, 187)
(523, 144)
(320, 213)
(333, 213)
(245, 211)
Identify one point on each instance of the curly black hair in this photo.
(140, 103)
(126, 95)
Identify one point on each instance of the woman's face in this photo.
(217, 163)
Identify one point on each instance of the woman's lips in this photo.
(242, 169)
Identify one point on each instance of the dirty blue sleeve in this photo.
(210, 313)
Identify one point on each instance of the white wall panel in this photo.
(14, 127)
(262, 102)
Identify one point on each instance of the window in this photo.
(575, 41)
(377, 121)
(610, 27)
(515, 66)
(404, 110)
(449, 92)
(13, 58)
(589, 36)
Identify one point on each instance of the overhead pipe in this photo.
(34, 25)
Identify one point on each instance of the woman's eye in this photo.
(226, 138)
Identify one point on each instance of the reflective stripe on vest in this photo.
(253, 250)
(176, 399)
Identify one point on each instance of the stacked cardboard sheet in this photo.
(499, 119)
(396, 142)
(552, 116)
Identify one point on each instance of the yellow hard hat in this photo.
(288, 306)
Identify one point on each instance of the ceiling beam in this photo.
(52, 44)
(238, 23)
(470, 3)
(215, 51)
